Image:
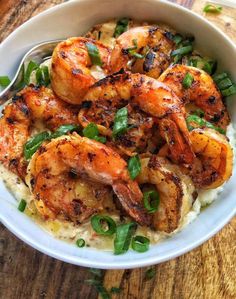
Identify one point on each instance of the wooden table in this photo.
(209, 271)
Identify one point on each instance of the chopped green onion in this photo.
(225, 83)
(64, 129)
(4, 81)
(124, 233)
(140, 244)
(121, 27)
(134, 166)
(120, 122)
(80, 243)
(219, 77)
(151, 201)
(210, 66)
(177, 39)
(187, 81)
(201, 123)
(115, 290)
(229, 91)
(182, 51)
(136, 55)
(92, 132)
(101, 139)
(22, 205)
(46, 76)
(34, 143)
(32, 66)
(132, 51)
(150, 273)
(212, 8)
(99, 221)
(94, 54)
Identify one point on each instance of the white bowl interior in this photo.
(72, 19)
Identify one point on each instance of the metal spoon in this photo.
(38, 54)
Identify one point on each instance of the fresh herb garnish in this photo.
(124, 233)
(198, 112)
(92, 132)
(132, 51)
(182, 51)
(103, 225)
(150, 273)
(35, 142)
(4, 81)
(22, 205)
(32, 66)
(212, 8)
(151, 200)
(80, 243)
(94, 54)
(121, 27)
(140, 243)
(134, 166)
(187, 81)
(120, 122)
(200, 122)
(225, 84)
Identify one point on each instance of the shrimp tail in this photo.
(130, 197)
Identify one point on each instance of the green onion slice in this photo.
(64, 129)
(34, 143)
(4, 81)
(182, 51)
(219, 77)
(80, 243)
(224, 84)
(201, 123)
(22, 205)
(134, 166)
(120, 122)
(177, 38)
(92, 132)
(124, 233)
(199, 112)
(103, 225)
(187, 81)
(94, 54)
(229, 91)
(140, 244)
(212, 8)
(151, 200)
(121, 27)
(150, 273)
(32, 66)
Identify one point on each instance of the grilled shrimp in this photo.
(214, 162)
(202, 92)
(151, 51)
(29, 105)
(142, 127)
(175, 189)
(51, 181)
(214, 158)
(155, 99)
(71, 73)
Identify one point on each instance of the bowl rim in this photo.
(80, 261)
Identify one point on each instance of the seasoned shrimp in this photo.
(71, 73)
(29, 105)
(152, 45)
(214, 158)
(175, 189)
(154, 98)
(50, 180)
(202, 92)
(141, 131)
(214, 161)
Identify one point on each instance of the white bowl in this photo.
(74, 18)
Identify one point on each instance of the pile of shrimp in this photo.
(174, 161)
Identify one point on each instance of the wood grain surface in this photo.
(206, 272)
